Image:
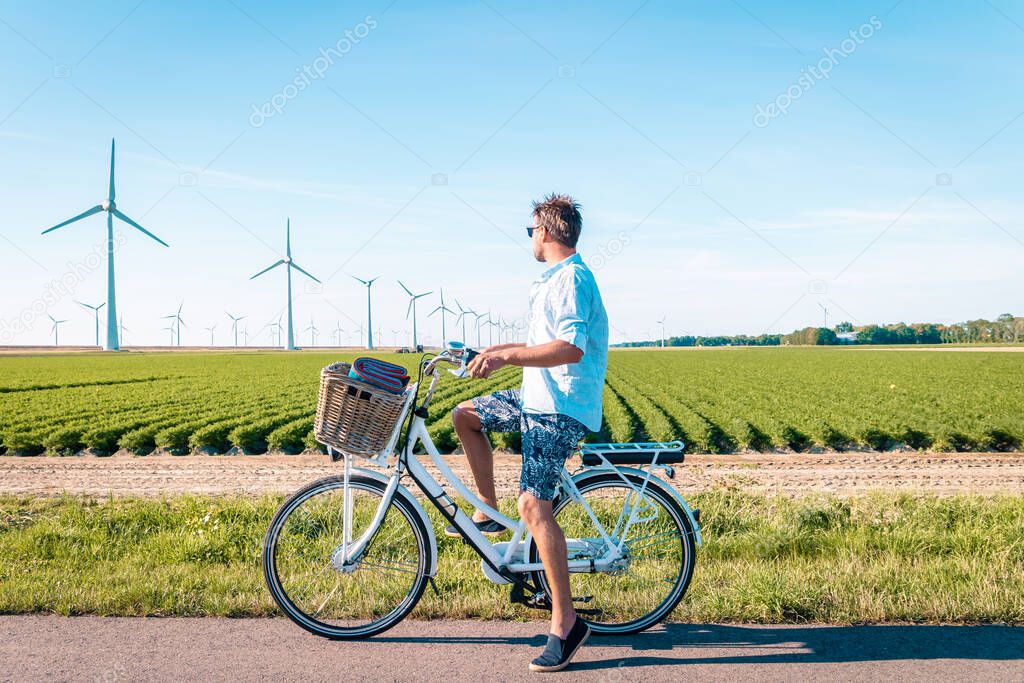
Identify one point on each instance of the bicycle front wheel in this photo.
(309, 581)
(646, 585)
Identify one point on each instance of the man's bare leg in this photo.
(551, 544)
(478, 452)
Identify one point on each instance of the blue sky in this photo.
(888, 191)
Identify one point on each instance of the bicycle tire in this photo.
(312, 624)
(682, 521)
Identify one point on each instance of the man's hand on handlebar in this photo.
(485, 363)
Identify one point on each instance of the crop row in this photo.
(715, 400)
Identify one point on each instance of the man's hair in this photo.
(560, 215)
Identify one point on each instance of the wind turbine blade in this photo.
(405, 288)
(296, 267)
(266, 269)
(423, 294)
(373, 280)
(138, 227)
(111, 195)
(288, 239)
(409, 310)
(359, 279)
(84, 214)
(439, 308)
(101, 305)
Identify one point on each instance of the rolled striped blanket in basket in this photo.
(379, 373)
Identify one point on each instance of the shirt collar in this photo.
(575, 258)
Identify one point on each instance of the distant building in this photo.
(846, 337)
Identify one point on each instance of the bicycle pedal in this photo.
(583, 598)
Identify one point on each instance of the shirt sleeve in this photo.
(571, 311)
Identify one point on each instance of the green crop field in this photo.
(715, 400)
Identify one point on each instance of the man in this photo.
(564, 361)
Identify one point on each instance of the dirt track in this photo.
(791, 474)
(112, 649)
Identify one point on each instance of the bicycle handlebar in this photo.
(455, 353)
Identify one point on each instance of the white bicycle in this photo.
(349, 556)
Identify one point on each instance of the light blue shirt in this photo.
(566, 304)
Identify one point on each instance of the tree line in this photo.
(1006, 329)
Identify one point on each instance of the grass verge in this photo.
(877, 558)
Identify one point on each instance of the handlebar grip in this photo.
(471, 354)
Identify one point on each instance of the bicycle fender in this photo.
(591, 472)
(415, 504)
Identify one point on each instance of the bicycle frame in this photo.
(503, 562)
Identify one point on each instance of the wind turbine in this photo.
(278, 329)
(56, 324)
(234, 325)
(171, 328)
(96, 312)
(122, 328)
(443, 309)
(110, 207)
(312, 332)
(490, 328)
(479, 317)
(412, 309)
(662, 323)
(177, 322)
(369, 311)
(825, 309)
(338, 332)
(463, 312)
(245, 335)
(211, 328)
(287, 261)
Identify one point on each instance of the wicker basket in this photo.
(352, 416)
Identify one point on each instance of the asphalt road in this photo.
(121, 649)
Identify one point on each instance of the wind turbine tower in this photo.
(312, 329)
(54, 329)
(176, 323)
(369, 311)
(443, 310)
(234, 325)
(412, 309)
(96, 315)
(463, 312)
(287, 261)
(110, 207)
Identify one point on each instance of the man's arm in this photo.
(547, 355)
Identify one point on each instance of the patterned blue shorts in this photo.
(548, 438)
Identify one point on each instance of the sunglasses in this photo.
(529, 230)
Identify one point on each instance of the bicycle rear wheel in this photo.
(363, 598)
(660, 553)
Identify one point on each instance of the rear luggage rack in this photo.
(651, 453)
